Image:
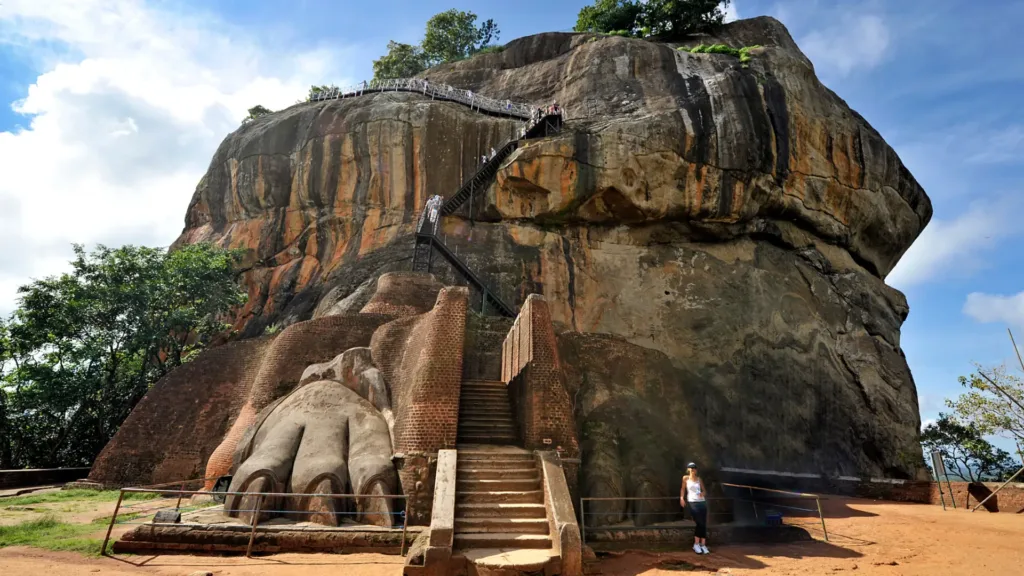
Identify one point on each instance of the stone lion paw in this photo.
(323, 438)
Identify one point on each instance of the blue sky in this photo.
(111, 109)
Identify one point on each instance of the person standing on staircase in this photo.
(692, 496)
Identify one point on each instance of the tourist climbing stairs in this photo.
(427, 241)
(499, 500)
(483, 177)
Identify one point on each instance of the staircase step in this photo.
(469, 424)
(503, 440)
(489, 455)
(485, 525)
(502, 540)
(485, 413)
(475, 396)
(464, 472)
(485, 416)
(501, 510)
(497, 484)
(511, 497)
(485, 383)
(493, 465)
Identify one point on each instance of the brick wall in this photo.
(178, 424)
(421, 359)
(531, 368)
(966, 494)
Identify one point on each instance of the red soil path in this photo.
(873, 538)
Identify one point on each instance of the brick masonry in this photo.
(174, 429)
(421, 359)
(966, 494)
(531, 368)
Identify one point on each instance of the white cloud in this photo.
(731, 12)
(1003, 146)
(122, 122)
(996, 308)
(953, 247)
(851, 42)
(927, 423)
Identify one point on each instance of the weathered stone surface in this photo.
(711, 239)
(323, 438)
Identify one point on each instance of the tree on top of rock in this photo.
(256, 112)
(453, 35)
(665, 19)
(610, 16)
(401, 61)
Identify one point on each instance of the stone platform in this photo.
(676, 533)
(209, 530)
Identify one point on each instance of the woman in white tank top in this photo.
(692, 496)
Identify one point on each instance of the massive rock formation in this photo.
(712, 239)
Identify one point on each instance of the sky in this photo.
(111, 109)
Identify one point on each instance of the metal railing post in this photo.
(255, 520)
(405, 526)
(583, 523)
(822, 518)
(110, 527)
(177, 505)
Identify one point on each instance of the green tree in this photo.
(256, 112)
(972, 457)
(314, 90)
(401, 61)
(453, 35)
(988, 409)
(610, 16)
(82, 348)
(673, 19)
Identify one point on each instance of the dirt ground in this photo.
(872, 538)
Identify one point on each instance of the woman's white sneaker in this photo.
(697, 549)
(704, 549)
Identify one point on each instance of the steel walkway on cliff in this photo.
(483, 104)
(427, 241)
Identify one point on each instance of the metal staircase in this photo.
(427, 242)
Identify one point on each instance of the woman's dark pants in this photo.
(699, 511)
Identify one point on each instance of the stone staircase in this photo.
(499, 501)
(485, 414)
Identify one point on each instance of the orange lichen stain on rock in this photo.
(293, 226)
(260, 190)
(307, 272)
(341, 237)
(844, 158)
(374, 235)
(348, 178)
(837, 201)
(236, 205)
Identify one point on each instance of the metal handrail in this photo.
(584, 513)
(259, 506)
(435, 90)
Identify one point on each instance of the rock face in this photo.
(712, 240)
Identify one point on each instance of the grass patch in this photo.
(51, 534)
(742, 53)
(76, 495)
